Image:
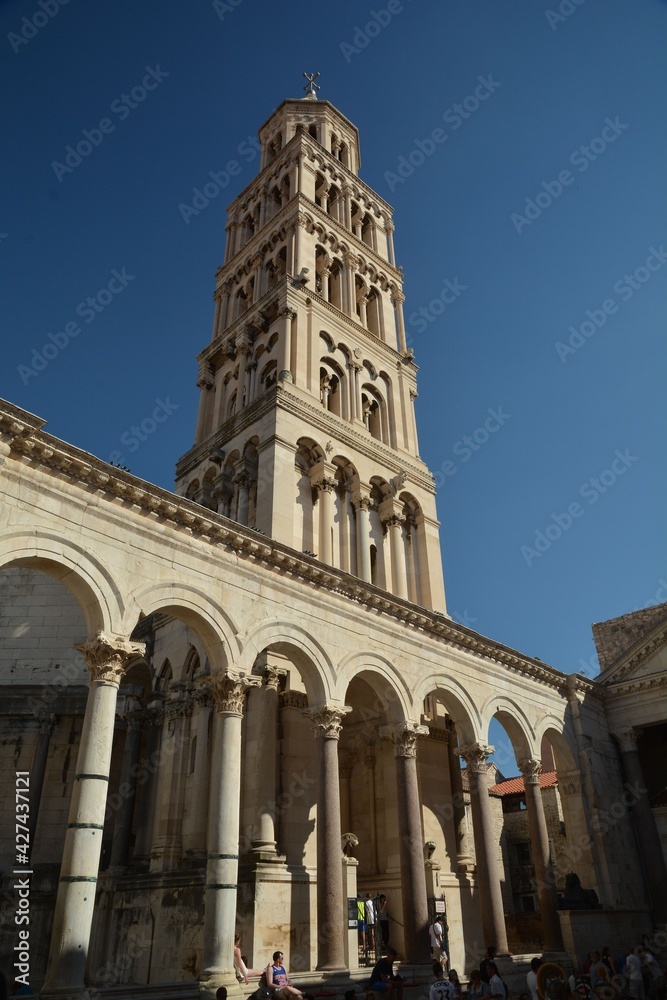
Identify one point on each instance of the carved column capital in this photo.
(202, 695)
(134, 721)
(393, 521)
(324, 484)
(397, 298)
(293, 699)
(404, 736)
(288, 313)
(327, 720)
(626, 739)
(46, 724)
(360, 502)
(531, 769)
(229, 690)
(272, 676)
(476, 756)
(346, 766)
(108, 655)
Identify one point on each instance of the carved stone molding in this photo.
(293, 699)
(476, 756)
(404, 736)
(327, 720)
(325, 484)
(108, 655)
(229, 690)
(437, 734)
(202, 695)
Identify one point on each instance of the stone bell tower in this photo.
(306, 427)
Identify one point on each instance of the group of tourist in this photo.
(372, 915)
(635, 975)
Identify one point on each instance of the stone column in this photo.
(539, 843)
(264, 833)
(645, 826)
(153, 721)
(397, 300)
(325, 276)
(389, 230)
(107, 656)
(363, 306)
(486, 848)
(122, 832)
(463, 857)
(45, 726)
(370, 767)
(168, 841)
(285, 373)
(242, 351)
(194, 823)
(331, 913)
(346, 767)
(216, 316)
(242, 481)
(413, 877)
(229, 689)
(362, 506)
(205, 383)
(325, 486)
(398, 574)
(348, 278)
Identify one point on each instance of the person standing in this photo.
(633, 970)
(496, 985)
(370, 921)
(436, 934)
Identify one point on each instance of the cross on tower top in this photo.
(312, 88)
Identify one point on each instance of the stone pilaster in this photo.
(194, 822)
(229, 691)
(645, 826)
(122, 832)
(45, 726)
(486, 847)
(404, 737)
(539, 839)
(264, 833)
(107, 657)
(331, 916)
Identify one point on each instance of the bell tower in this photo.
(306, 428)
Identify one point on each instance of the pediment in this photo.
(645, 658)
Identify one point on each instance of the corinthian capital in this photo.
(327, 720)
(530, 768)
(476, 755)
(404, 736)
(626, 739)
(108, 655)
(229, 690)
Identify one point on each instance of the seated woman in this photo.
(240, 968)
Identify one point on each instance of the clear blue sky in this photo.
(580, 93)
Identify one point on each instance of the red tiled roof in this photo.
(514, 786)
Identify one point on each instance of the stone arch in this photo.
(98, 594)
(196, 609)
(458, 703)
(370, 665)
(554, 730)
(309, 656)
(514, 721)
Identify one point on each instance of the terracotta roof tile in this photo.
(514, 786)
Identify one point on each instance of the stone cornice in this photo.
(633, 685)
(635, 656)
(27, 443)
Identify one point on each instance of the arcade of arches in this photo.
(211, 688)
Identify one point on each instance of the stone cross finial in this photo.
(312, 87)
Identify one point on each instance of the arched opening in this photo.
(368, 231)
(374, 313)
(336, 285)
(306, 526)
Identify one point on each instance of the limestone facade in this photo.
(210, 687)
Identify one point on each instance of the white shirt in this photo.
(435, 933)
(531, 982)
(370, 912)
(633, 968)
(442, 990)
